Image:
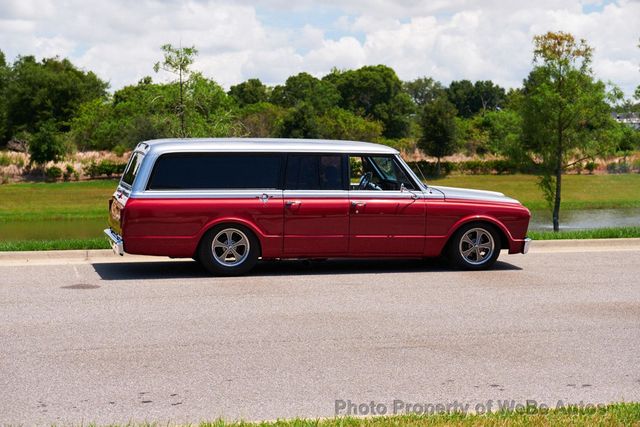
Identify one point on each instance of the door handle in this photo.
(358, 205)
(264, 197)
(291, 203)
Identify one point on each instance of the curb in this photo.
(71, 256)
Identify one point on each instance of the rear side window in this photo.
(131, 170)
(315, 172)
(206, 171)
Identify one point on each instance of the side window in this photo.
(131, 170)
(314, 172)
(377, 173)
(209, 171)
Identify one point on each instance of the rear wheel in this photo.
(229, 250)
(475, 247)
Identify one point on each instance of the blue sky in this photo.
(273, 39)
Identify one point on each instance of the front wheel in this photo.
(475, 247)
(229, 250)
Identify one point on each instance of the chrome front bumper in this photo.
(116, 241)
(525, 247)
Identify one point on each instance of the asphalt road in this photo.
(106, 340)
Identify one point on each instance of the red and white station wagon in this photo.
(230, 202)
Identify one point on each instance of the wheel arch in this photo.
(503, 232)
(230, 222)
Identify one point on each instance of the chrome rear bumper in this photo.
(116, 241)
(525, 246)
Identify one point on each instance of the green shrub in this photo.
(5, 160)
(119, 150)
(92, 170)
(618, 167)
(53, 173)
(591, 166)
(47, 145)
(105, 167)
(429, 169)
(68, 172)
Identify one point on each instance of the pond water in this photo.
(586, 219)
(90, 228)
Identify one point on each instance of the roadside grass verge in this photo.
(54, 245)
(578, 191)
(102, 242)
(55, 201)
(596, 233)
(621, 414)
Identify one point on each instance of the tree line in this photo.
(560, 116)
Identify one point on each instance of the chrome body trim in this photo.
(209, 194)
(527, 244)
(283, 194)
(117, 244)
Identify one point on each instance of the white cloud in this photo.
(445, 39)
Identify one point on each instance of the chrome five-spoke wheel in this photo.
(230, 247)
(475, 246)
(229, 250)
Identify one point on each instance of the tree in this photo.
(472, 98)
(564, 111)
(250, 92)
(260, 120)
(177, 61)
(49, 91)
(438, 129)
(342, 124)
(46, 145)
(423, 90)
(304, 88)
(375, 93)
(487, 96)
(460, 93)
(300, 122)
(4, 81)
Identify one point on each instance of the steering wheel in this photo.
(364, 181)
(366, 184)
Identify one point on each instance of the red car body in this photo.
(304, 224)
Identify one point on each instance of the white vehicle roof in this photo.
(280, 145)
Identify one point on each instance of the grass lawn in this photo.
(627, 414)
(54, 245)
(51, 201)
(618, 415)
(88, 199)
(578, 191)
(598, 233)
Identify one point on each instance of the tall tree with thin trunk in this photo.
(564, 111)
(177, 61)
(438, 129)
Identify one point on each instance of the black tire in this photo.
(474, 246)
(236, 250)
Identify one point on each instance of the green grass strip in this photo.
(622, 414)
(596, 233)
(54, 245)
